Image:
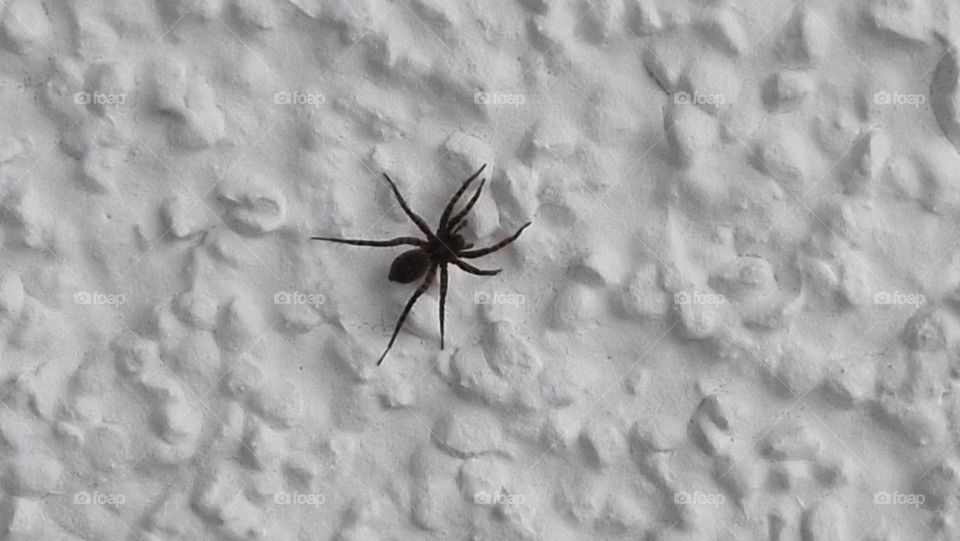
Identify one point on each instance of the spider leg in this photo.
(413, 241)
(456, 197)
(473, 201)
(443, 298)
(470, 254)
(406, 209)
(406, 309)
(460, 226)
(473, 270)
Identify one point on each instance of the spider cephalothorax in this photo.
(446, 246)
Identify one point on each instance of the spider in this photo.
(439, 249)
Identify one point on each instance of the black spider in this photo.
(440, 248)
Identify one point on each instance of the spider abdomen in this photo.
(409, 266)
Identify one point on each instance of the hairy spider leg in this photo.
(443, 298)
(473, 201)
(406, 310)
(470, 254)
(422, 225)
(399, 241)
(473, 270)
(456, 197)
